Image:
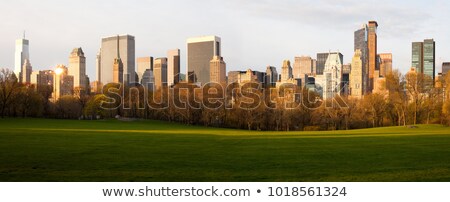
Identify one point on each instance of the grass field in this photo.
(70, 150)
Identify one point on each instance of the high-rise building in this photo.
(302, 65)
(173, 67)
(108, 54)
(160, 72)
(144, 64)
(445, 68)
(63, 83)
(118, 66)
(271, 76)
(372, 54)
(361, 44)
(218, 70)
(332, 76)
(423, 57)
(385, 63)
(429, 58)
(25, 73)
(286, 71)
(22, 54)
(417, 56)
(320, 64)
(77, 68)
(356, 75)
(322, 59)
(200, 51)
(98, 66)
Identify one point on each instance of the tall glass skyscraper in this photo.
(423, 57)
(200, 51)
(429, 58)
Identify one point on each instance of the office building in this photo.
(125, 44)
(423, 57)
(21, 54)
(356, 76)
(25, 73)
(322, 59)
(144, 64)
(361, 39)
(173, 67)
(160, 72)
(372, 54)
(271, 76)
(218, 70)
(385, 62)
(242, 77)
(200, 51)
(332, 76)
(303, 65)
(77, 69)
(62, 82)
(286, 71)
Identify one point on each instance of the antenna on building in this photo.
(23, 34)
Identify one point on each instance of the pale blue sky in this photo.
(254, 33)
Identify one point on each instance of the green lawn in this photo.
(70, 150)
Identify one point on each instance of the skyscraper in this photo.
(320, 65)
(286, 71)
(218, 70)
(98, 66)
(361, 44)
(417, 56)
(429, 58)
(108, 54)
(322, 59)
(22, 54)
(372, 48)
(63, 83)
(25, 73)
(385, 63)
(302, 65)
(332, 76)
(356, 75)
(200, 51)
(271, 76)
(144, 64)
(118, 66)
(423, 57)
(160, 72)
(173, 67)
(77, 68)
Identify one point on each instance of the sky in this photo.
(254, 34)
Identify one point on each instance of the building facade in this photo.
(303, 65)
(372, 54)
(22, 53)
(218, 70)
(77, 69)
(108, 54)
(173, 67)
(286, 71)
(144, 64)
(356, 76)
(200, 51)
(385, 63)
(160, 72)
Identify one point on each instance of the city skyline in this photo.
(242, 48)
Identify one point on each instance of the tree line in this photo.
(408, 99)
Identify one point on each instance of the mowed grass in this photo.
(72, 150)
